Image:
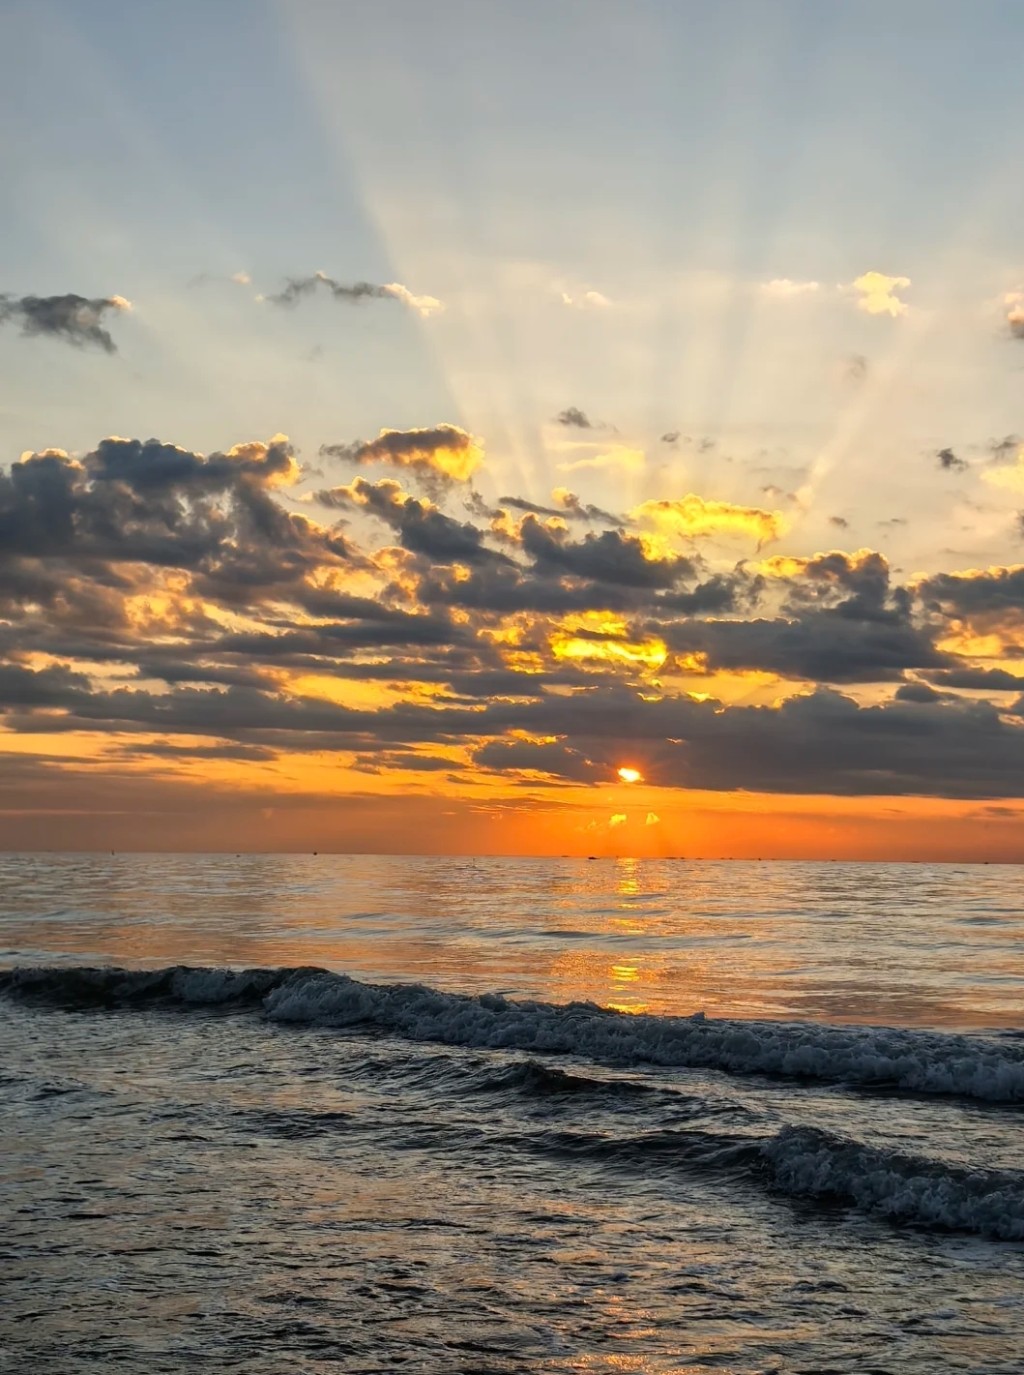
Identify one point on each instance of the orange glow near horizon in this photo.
(630, 775)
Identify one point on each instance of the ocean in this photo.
(300, 1115)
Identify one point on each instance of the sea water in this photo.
(321, 1114)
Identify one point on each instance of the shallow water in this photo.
(305, 1172)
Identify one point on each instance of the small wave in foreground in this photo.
(975, 1067)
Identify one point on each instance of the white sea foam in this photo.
(915, 1061)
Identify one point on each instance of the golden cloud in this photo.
(689, 516)
(878, 293)
(599, 635)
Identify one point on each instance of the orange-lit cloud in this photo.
(691, 516)
(444, 451)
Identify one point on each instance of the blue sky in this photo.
(665, 155)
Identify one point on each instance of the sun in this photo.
(630, 775)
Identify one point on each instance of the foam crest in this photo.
(806, 1162)
(921, 1062)
(977, 1067)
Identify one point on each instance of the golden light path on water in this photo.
(749, 940)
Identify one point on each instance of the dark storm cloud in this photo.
(718, 594)
(977, 592)
(950, 462)
(820, 744)
(421, 528)
(826, 743)
(977, 679)
(611, 557)
(574, 418)
(556, 760)
(505, 589)
(48, 687)
(856, 587)
(918, 692)
(146, 503)
(75, 319)
(820, 646)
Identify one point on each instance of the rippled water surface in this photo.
(779, 1130)
(904, 945)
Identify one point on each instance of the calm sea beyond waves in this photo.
(274, 1114)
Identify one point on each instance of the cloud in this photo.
(783, 289)
(1008, 475)
(975, 591)
(298, 287)
(584, 300)
(670, 437)
(840, 522)
(75, 319)
(612, 556)
(573, 507)
(569, 507)
(619, 459)
(818, 646)
(820, 743)
(438, 456)
(977, 679)
(856, 368)
(130, 511)
(235, 278)
(950, 462)
(422, 305)
(575, 418)
(152, 593)
(877, 293)
(1014, 302)
(422, 528)
(691, 516)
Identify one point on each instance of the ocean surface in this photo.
(287, 1115)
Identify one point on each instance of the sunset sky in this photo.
(415, 414)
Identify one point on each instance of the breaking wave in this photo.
(975, 1067)
(807, 1162)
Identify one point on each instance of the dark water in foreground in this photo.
(451, 1162)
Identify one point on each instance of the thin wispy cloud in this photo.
(298, 288)
(785, 289)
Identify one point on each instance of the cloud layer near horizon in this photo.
(184, 606)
